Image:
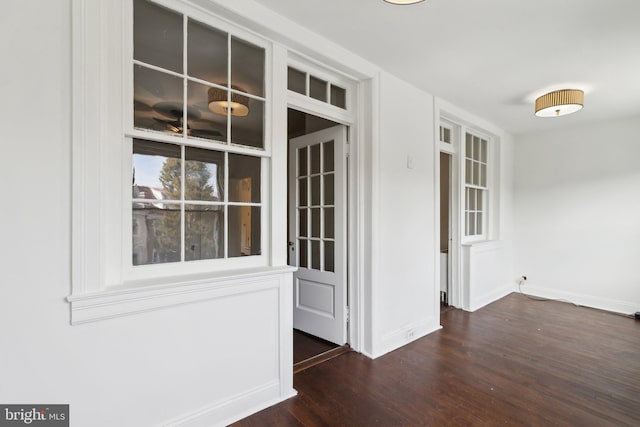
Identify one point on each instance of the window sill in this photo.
(142, 296)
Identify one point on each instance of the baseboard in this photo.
(233, 409)
(403, 336)
(487, 299)
(591, 301)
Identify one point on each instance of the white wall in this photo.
(404, 217)
(133, 371)
(578, 214)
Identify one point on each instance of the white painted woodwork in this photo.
(320, 295)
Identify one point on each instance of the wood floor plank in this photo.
(516, 362)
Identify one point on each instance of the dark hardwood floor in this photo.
(516, 362)
(306, 346)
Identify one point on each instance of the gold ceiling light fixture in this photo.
(238, 105)
(559, 103)
(403, 1)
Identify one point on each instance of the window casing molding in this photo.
(102, 131)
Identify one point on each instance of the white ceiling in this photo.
(494, 57)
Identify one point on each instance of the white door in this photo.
(317, 232)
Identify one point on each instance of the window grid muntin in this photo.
(227, 146)
(475, 216)
(328, 86)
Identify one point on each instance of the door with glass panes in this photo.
(317, 232)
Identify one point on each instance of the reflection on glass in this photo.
(476, 148)
(155, 233)
(207, 53)
(315, 254)
(479, 223)
(469, 146)
(315, 222)
(244, 231)
(327, 148)
(483, 151)
(315, 190)
(480, 200)
(157, 102)
(472, 224)
(468, 171)
(202, 122)
(317, 89)
(329, 256)
(296, 81)
(204, 174)
(328, 189)
(302, 190)
(247, 67)
(204, 232)
(249, 130)
(476, 173)
(338, 97)
(156, 171)
(329, 223)
(315, 158)
(472, 199)
(244, 178)
(302, 161)
(303, 260)
(483, 175)
(157, 37)
(303, 226)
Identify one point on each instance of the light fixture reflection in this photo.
(218, 102)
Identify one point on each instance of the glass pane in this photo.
(329, 189)
(156, 233)
(329, 256)
(302, 161)
(296, 81)
(327, 148)
(483, 151)
(315, 158)
(156, 170)
(472, 199)
(317, 89)
(207, 53)
(329, 223)
(204, 174)
(248, 129)
(315, 254)
(247, 67)
(476, 148)
(157, 36)
(303, 230)
(479, 223)
(303, 251)
(476, 173)
(157, 101)
(480, 200)
(315, 222)
(315, 190)
(483, 175)
(203, 232)
(244, 178)
(244, 231)
(468, 171)
(445, 135)
(472, 224)
(468, 146)
(302, 192)
(338, 97)
(202, 122)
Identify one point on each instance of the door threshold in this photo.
(322, 357)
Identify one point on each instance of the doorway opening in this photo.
(317, 236)
(446, 229)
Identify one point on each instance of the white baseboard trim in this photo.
(233, 409)
(403, 336)
(617, 306)
(495, 295)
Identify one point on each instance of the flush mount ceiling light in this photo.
(238, 105)
(403, 1)
(559, 103)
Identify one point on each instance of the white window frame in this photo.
(104, 282)
(485, 190)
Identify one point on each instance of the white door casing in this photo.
(317, 232)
